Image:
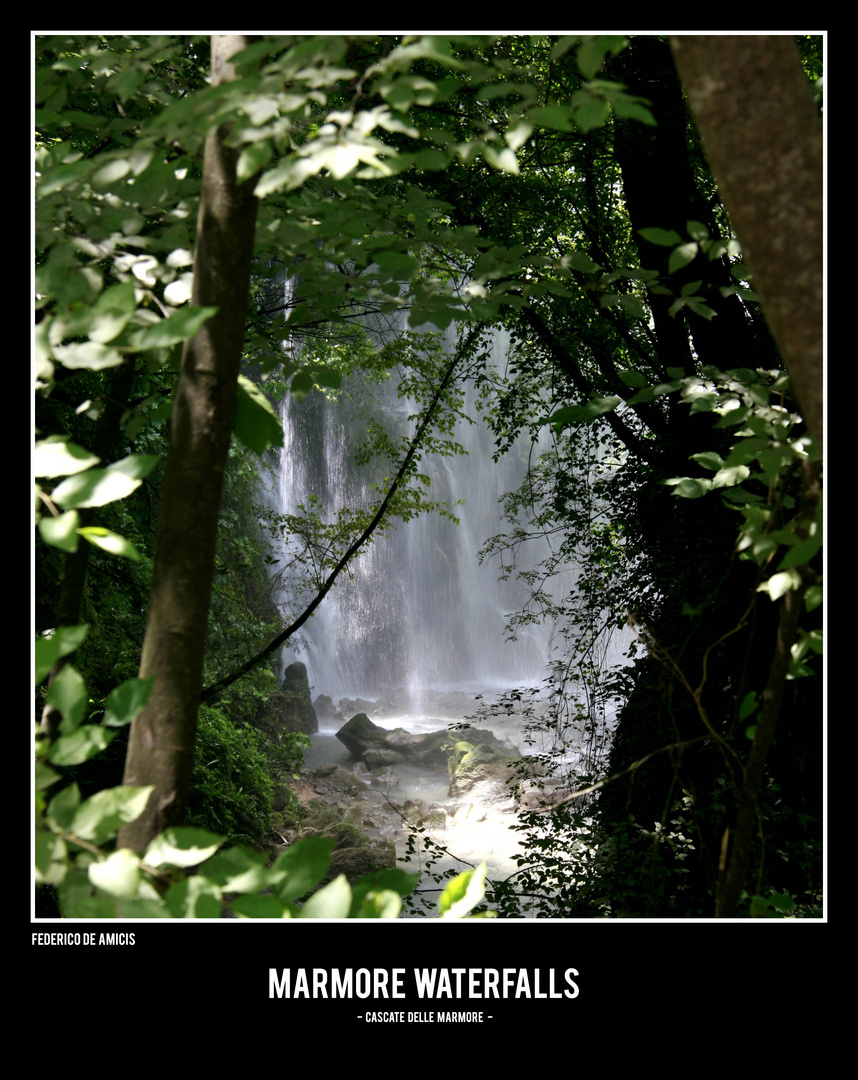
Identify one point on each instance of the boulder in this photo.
(429, 750)
(348, 708)
(294, 704)
(349, 812)
(326, 710)
(481, 773)
(543, 793)
(360, 734)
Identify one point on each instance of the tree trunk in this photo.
(763, 139)
(161, 745)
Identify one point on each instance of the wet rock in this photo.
(430, 750)
(349, 708)
(481, 774)
(542, 793)
(293, 704)
(326, 711)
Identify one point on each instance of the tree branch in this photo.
(355, 547)
(647, 452)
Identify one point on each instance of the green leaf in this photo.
(381, 882)
(331, 902)
(111, 173)
(325, 376)
(633, 306)
(145, 908)
(709, 460)
(515, 137)
(81, 745)
(662, 237)
(180, 326)
(126, 701)
(593, 50)
(463, 893)
(238, 869)
(79, 900)
(301, 385)
(110, 541)
(300, 867)
(730, 476)
(64, 805)
(87, 355)
(748, 706)
(592, 113)
(51, 858)
(118, 874)
(781, 583)
(378, 905)
(650, 392)
(111, 312)
(704, 403)
(194, 898)
(687, 487)
(260, 907)
(253, 158)
(746, 450)
(68, 694)
(505, 159)
(700, 308)
(256, 423)
(582, 262)
(61, 532)
(59, 456)
(100, 817)
(60, 642)
(681, 256)
(45, 776)
(99, 486)
(801, 552)
(563, 45)
(573, 414)
(632, 378)
(182, 847)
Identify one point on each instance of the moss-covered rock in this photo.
(430, 750)
(291, 708)
(481, 772)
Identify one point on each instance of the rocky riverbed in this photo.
(428, 790)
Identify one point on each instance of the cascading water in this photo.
(416, 609)
(416, 619)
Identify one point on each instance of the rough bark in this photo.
(763, 140)
(161, 745)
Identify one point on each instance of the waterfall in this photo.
(415, 610)
(418, 621)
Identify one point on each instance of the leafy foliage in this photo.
(72, 855)
(455, 178)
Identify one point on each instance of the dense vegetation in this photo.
(555, 187)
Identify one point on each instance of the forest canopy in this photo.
(645, 225)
